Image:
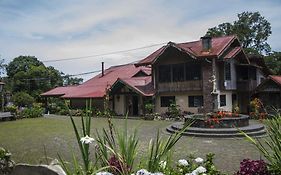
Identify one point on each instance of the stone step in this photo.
(250, 128)
(257, 130)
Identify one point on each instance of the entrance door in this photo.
(135, 105)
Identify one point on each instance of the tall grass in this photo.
(159, 149)
(117, 149)
(271, 149)
(84, 148)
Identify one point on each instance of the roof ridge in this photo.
(120, 65)
(216, 37)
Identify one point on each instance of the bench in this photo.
(4, 116)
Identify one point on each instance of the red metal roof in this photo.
(58, 91)
(276, 79)
(219, 44)
(233, 53)
(96, 87)
(142, 85)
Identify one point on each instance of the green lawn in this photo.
(27, 138)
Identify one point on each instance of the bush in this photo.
(33, 112)
(22, 99)
(12, 109)
(57, 106)
(6, 164)
(174, 111)
(271, 149)
(149, 108)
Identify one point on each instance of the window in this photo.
(222, 100)
(193, 71)
(227, 71)
(195, 101)
(165, 73)
(166, 101)
(178, 72)
(252, 73)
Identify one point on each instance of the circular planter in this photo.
(202, 121)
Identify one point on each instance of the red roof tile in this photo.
(194, 48)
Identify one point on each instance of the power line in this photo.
(103, 54)
(72, 75)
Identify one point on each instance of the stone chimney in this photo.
(206, 43)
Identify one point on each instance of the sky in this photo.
(90, 29)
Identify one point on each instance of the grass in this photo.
(30, 140)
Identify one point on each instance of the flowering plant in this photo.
(253, 167)
(257, 109)
(213, 119)
(189, 166)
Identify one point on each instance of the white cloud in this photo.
(80, 28)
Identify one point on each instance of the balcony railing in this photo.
(193, 85)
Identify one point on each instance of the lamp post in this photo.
(2, 97)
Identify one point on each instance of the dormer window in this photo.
(206, 43)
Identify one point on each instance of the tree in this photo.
(69, 80)
(22, 99)
(273, 61)
(28, 74)
(251, 28)
(2, 66)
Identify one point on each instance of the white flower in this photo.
(163, 164)
(183, 162)
(87, 140)
(199, 160)
(157, 173)
(201, 169)
(104, 173)
(142, 172)
(193, 173)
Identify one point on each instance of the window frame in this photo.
(164, 103)
(193, 98)
(227, 71)
(223, 103)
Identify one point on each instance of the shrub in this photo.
(57, 106)
(174, 111)
(33, 112)
(271, 150)
(149, 108)
(253, 167)
(12, 109)
(6, 164)
(22, 99)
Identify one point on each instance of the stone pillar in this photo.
(214, 82)
(207, 86)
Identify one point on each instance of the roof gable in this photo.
(194, 49)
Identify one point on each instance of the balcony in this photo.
(193, 85)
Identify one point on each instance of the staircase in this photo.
(253, 130)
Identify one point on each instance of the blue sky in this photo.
(52, 29)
